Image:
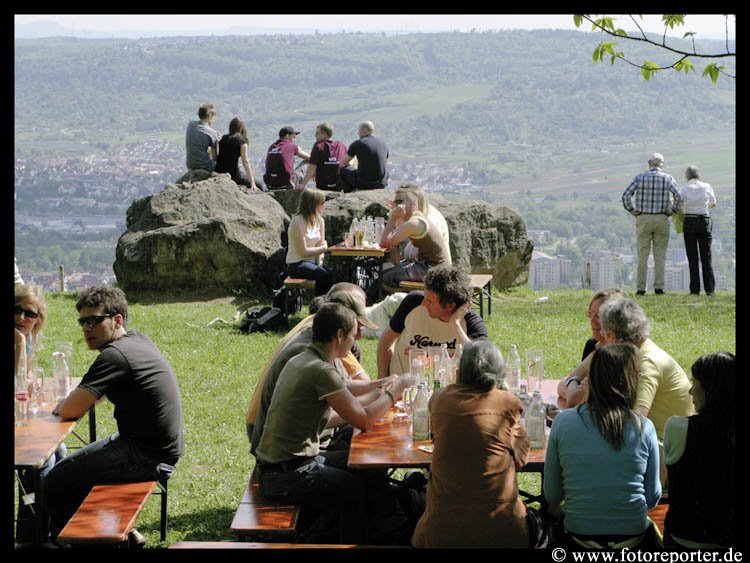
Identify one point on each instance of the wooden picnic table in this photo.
(33, 446)
(367, 257)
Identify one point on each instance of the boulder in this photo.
(206, 233)
(209, 235)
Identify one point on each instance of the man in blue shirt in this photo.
(657, 196)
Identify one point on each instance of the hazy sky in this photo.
(706, 26)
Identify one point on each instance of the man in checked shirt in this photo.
(652, 207)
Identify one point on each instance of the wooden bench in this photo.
(108, 514)
(657, 514)
(275, 545)
(296, 286)
(258, 517)
(481, 285)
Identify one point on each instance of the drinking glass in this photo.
(418, 364)
(34, 378)
(349, 240)
(534, 369)
(404, 405)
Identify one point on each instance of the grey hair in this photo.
(625, 319)
(692, 172)
(368, 126)
(481, 366)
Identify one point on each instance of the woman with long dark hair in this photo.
(307, 241)
(603, 460)
(232, 148)
(699, 452)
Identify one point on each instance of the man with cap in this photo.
(359, 382)
(280, 172)
(657, 196)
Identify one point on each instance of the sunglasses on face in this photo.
(93, 320)
(29, 314)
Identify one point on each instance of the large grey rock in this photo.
(207, 235)
(485, 238)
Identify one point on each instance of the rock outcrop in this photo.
(206, 233)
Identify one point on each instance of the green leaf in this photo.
(688, 34)
(713, 71)
(684, 64)
(621, 32)
(577, 20)
(648, 68)
(673, 20)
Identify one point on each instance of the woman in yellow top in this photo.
(307, 242)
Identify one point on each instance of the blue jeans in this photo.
(324, 483)
(110, 460)
(310, 271)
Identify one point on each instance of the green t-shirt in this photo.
(299, 412)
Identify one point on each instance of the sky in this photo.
(112, 25)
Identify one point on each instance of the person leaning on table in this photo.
(602, 463)
(571, 388)
(663, 386)
(480, 444)
(138, 380)
(291, 466)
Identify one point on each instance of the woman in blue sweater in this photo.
(602, 464)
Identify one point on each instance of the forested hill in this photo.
(467, 94)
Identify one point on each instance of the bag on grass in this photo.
(263, 319)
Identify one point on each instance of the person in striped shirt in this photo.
(652, 197)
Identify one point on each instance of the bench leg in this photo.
(163, 522)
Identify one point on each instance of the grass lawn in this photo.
(217, 368)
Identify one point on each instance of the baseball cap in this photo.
(657, 158)
(288, 130)
(353, 302)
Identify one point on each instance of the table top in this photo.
(35, 443)
(341, 250)
(389, 443)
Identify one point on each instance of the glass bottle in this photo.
(420, 415)
(456, 362)
(60, 375)
(514, 370)
(525, 401)
(535, 421)
(21, 395)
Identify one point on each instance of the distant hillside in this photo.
(491, 99)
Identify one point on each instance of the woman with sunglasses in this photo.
(30, 313)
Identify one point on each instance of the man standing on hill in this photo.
(138, 380)
(326, 158)
(372, 155)
(652, 208)
(202, 140)
(280, 173)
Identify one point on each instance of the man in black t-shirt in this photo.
(138, 380)
(372, 156)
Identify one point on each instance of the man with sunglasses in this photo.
(138, 380)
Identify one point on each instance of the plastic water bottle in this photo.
(420, 422)
(535, 421)
(514, 370)
(60, 375)
(523, 396)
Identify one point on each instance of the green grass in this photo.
(217, 368)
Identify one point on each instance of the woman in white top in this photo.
(307, 241)
(697, 198)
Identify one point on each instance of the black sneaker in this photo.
(659, 291)
(640, 292)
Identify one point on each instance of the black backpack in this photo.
(263, 319)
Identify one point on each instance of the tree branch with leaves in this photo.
(606, 24)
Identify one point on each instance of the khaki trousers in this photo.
(651, 229)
